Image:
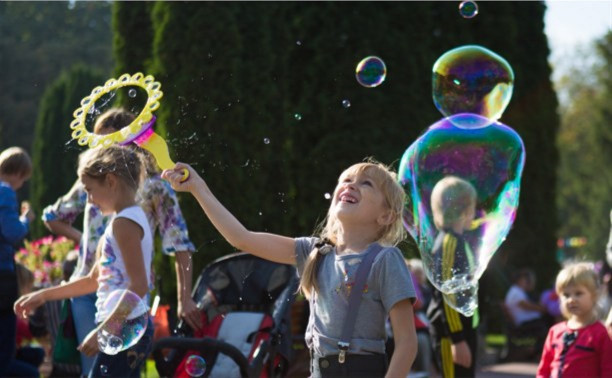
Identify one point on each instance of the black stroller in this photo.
(245, 302)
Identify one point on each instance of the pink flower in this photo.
(47, 240)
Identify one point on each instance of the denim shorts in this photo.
(127, 363)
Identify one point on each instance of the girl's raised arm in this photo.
(272, 247)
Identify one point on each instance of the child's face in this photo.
(98, 193)
(468, 217)
(358, 197)
(577, 300)
(16, 180)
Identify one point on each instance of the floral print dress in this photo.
(157, 199)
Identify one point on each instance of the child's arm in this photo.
(58, 218)
(268, 246)
(404, 336)
(128, 235)
(544, 368)
(12, 228)
(84, 285)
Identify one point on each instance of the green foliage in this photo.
(39, 40)
(54, 153)
(235, 75)
(585, 145)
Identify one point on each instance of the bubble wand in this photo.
(140, 131)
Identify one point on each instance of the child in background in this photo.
(15, 169)
(111, 177)
(453, 203)
(580, 346)
(161, 206)
(366, 208)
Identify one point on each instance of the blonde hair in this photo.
(124, 163)
(390, 234)
(450, 198)
(578, 274)
(116, 119)
(15, 161)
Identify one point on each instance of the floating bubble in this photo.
(103, 369)
(195, 366)
(132, 93)
(371, 71)
(468, 9)
(297, 116)
(327, 196)
(124, 318)
(266, 141)
(472, 79)
(346, 103)
(462, 187)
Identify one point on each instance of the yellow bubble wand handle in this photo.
(157, 146)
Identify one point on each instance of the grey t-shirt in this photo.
(388, 283)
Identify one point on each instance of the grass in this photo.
(150, 371)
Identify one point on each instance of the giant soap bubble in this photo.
(459, 226)
(126, 318)
(472, 79)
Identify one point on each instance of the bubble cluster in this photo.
(468, 9)
(472, 79)
(195, 366)
(488, 159)
(371, 72)
(126, 321)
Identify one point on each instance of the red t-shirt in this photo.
(590, 355)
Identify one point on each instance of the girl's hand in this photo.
(175, 175)
(89, 346)
(189, 311)
(26, 211)
(28, 303)
(461, 354)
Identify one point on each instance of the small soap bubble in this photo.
(299, 43)
(327, 196)
(297, 116)
(266, 140)
(119, 332)
(346, 103)
(132, 93)
(468, 9)
(472, 79)
(371, 71)
(103, 369)
(195, 366)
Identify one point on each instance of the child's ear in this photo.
(111, 180)
(386, 218)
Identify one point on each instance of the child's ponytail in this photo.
(308, 282)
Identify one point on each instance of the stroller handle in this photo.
(202, 344)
